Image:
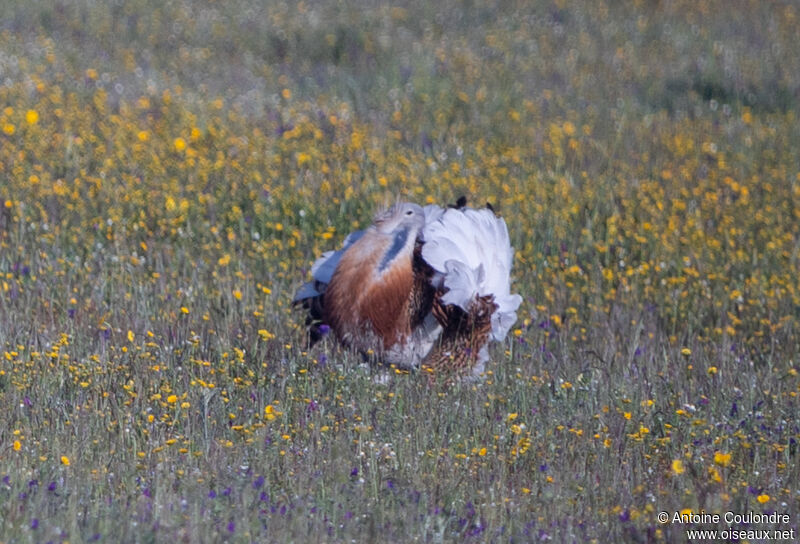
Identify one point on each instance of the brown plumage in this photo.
(357, 302)
(418, 287)
(463, 334)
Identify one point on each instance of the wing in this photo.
(322, 270)
(471, 255)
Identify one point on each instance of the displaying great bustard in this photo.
(421, 287)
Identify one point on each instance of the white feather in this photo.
(432, 213)
(472, 255)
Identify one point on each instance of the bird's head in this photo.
(403, 215)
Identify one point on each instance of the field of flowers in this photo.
(170, 170)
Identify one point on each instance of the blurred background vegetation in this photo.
(169, 171)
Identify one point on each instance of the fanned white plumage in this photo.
(472, 255)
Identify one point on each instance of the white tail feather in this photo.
(472, 255)
(432, 213)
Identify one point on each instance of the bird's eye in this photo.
(410, 213)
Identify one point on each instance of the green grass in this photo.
(169, 171)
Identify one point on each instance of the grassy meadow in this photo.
(170, 170)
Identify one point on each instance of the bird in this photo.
(420, 288)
